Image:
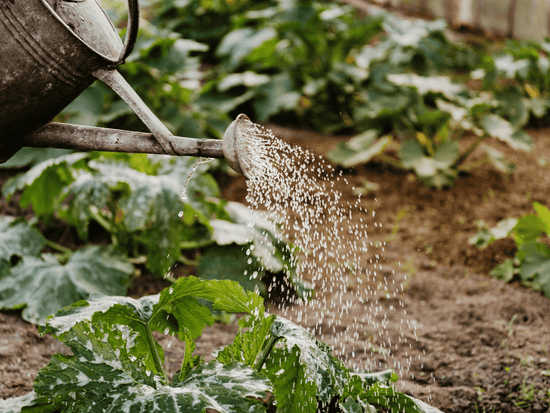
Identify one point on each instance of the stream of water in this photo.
(303, 194)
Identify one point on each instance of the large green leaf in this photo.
(174, 308)
(500, 128)
(86, 195)
(359, 150)
(436, 84)
(43, 183)
(294, 388)
(436, 170)
(107, 372)
(32, 156)
(253, 337)
(17, 238)
(240, 42)
(231, 263)
(321, 375)
(43, 286)
(534, 269)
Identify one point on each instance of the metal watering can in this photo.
(50, 52)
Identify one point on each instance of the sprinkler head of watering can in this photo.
(237, 141)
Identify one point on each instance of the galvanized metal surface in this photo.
(45, 64)
(88, 138)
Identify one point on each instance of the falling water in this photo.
(300, 192)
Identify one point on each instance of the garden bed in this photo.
(480, 344)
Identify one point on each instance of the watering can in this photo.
(50, 52)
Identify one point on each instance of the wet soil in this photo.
(459, 339)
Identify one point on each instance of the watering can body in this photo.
(44, 64)
(50, 52)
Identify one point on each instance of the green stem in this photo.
(156, 357)
(188, 261)
(58, 247)
(264, 352)
(390, 161)
(469, 151)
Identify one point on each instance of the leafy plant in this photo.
(532, 261)
(41, 284)
(117, 363)
(136, 199)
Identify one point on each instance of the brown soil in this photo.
(460, 340)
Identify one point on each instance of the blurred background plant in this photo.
(406, 92)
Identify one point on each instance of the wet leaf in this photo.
(294, 389)
(253, 336)
(43, 286)
(108, 364)
(323, 375)
(174, 308)
(231, 263)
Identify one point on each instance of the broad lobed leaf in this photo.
(42, 286)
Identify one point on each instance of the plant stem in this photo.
(264, 352)
(58, 247)
(390, 161)
(156, 357)
(469, 150)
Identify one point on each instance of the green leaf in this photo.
(435, 84)
(32, 156)
(85, 193)
(486, 236)
(16, 404)
(17, 238)
(108, 365)
(544, 215)
(294, 390)
(504, 271)
(434, 170)
(231, 263)
(500, 128)
(515, 107)
(528, 229)
(352, 406)
(222, 388)
(278, 95)
(317, 366)
(43, 286)
(238, 44)
(499, 161)
(534, 269)
(43, 183)
(253, 337)
(358, 150)
(177, 302)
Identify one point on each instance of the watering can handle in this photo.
(131, 31)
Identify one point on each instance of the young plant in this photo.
(532, 260)
(118, 365)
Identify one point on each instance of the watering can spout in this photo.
(90, 138)
(51, 51)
